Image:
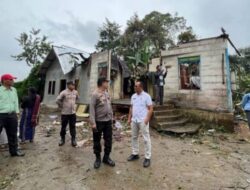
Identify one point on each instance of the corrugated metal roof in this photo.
(68, 58)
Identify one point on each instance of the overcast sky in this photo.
(75, 23)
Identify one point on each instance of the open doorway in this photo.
(62, 85)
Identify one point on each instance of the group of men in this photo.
(101, 120)
(101, 117)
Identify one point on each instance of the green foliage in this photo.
(143, 39)
(109, 35)
(33, 80)
(138, 62)
(241, 67)
(186, 36)
(156, 29)
(35, 49)
(162, 29)
(34, 46)
(133, 38)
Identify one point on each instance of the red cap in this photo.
(7, 77)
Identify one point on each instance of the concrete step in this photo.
(164, 125)
(188, 129)
(166, 112)
(163, 107)
(166, 118)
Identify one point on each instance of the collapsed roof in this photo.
(116, 62)
(68, 58)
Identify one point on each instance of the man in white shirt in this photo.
(139, 115)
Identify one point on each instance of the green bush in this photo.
(33, 80)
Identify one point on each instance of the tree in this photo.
(109, 35)
(143, 37)
(240, 65)
(33, 80)
(186, 36)
(34, 46)
(160, 30)
(139, 62)
(155, 31)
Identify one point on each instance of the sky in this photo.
(75, 23)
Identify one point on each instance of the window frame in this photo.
(190, 58)
(100, 66)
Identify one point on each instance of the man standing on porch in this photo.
(67, 102)
(160, 76)
(101, 115)
(139, 116)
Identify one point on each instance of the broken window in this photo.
(189, 72)
(102, 70)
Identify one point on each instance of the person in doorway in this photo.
(30, 105)
(101, 116)
(67, 102)
(194, 78)
(160, 76)
(139, 116)
(9, 109)
(245, 103)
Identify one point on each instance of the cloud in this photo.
(208, 16)
(76, 23)
(74, 32)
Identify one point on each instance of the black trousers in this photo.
(105, 128)
(71, 120)
(161, 94)
(10, 123)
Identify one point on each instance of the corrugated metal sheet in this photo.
(69, 57)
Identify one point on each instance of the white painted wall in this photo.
(54, 73)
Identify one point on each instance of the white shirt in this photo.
(140, 103)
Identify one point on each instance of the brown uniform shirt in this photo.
(67, 101)
(100, 108)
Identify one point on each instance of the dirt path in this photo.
(209, 162)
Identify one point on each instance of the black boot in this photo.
(107, 160)
(17, 153)
(98, 161)
(146, 163)
(73, 142)
(62, 141)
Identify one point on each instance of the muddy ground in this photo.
(205, 161)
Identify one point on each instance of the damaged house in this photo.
(199, 80)
(66, 64)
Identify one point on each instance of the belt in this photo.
(9, 113)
